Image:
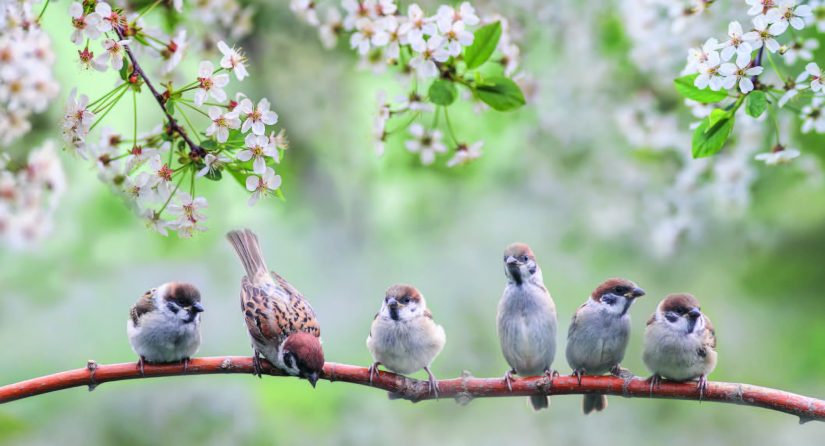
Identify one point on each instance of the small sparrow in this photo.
(680, 343)
(598, 335)
(526, 319)
(164, 324)
(403, 336)
(280, 322)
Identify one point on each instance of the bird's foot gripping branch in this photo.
(463, 389)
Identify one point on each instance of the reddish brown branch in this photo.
(463, 389)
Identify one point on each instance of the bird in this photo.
(526, 320)
(281, 323)
(403, 336)
(598, 334)
(680, 342)
(164, 324)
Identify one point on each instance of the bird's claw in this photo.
(655, 379)
(508, 378)
(185, 365)
(433, 382)
(620, 372)
(374, 370)
(578, 374)
(140, 363)
(551, 374)
(703, 386)
(256, 364)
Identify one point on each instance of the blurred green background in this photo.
(353, 224)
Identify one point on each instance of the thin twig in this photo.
(194, 149)
(464, 388)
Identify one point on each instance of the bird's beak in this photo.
(313, 378)
(636, 293)
(392, 303)
(510, 260)
(694, 313)
(198, 308)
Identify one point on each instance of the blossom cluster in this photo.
(30, 191)
(733, 72)
(433, 55)
(202, 131)
(27, 83)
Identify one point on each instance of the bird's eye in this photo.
(525, 259)
(621, 290)
(405, 300)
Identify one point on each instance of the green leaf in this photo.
(756, 103)
(209, 145)
(442, 92)
(215, 175)
(684, 86)
(124, 70)
(709, 139)
(716, 115)
(500, 93)
(485, 41)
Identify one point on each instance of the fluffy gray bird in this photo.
(403, 337)
(164, 324)
(526, 319)
(680, 343)
(598, 335)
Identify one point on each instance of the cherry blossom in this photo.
(260, 186)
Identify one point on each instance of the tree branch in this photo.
(463, 389)
(194, 148)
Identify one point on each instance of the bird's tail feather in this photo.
(594, 401)
(246, 245)
(539, 402)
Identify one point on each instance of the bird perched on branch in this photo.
(598, 335)
(164, 324)
(680, 343)
(403, 336)
(281, 323)
(526, 320)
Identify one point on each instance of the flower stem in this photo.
(40, 16)
(450, 126)
(147, 10)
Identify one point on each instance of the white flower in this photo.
(465, 13)
(739, 73)
(113, 52)
(210, 84)
(77, 119)
(332, 26)
(279, 140)
(429, 53)
(779, 155)
(464, 153)
(392, 27)
(212, 164)
(455, 36)
(709, 73)
(426, 143)
(258, 148)
(154, 222)
(812, 70)
(83, 24)
(173, 53)
(759, 7)
(305, 9)
(187, 209)
(413, 102)
(789, 94)
(160, 175)
(233, 60)
(367, 34)
(698, 56)
(257, 117)
(141, 189)
(221, 123)
(766, 36)
(813, 117)
(799, 50)
(417, 26)
(260, 186)
(787, 13)
(109, 19)
(381, 8)
(139, 154)
(739, 42)
(355, 10)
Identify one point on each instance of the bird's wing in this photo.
(651, 320)
(301, 315)
(265, 314)
(144, 305)
(710, 334)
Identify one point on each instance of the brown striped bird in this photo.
(281, 323)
